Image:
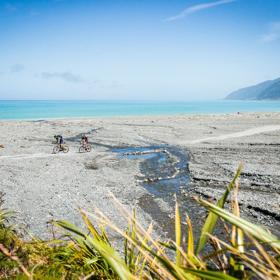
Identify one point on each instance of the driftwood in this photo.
(151, 180)
(146, 152)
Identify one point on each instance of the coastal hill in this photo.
(268, 90)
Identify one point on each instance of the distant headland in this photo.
(268, 90)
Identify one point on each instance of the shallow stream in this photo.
(165, 174)
(164, 168)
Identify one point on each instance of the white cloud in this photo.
(272, 34)
(199, 7)
(66, 76)
(17, 68)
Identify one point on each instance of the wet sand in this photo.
(203, 151)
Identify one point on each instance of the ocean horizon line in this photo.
(124, 100)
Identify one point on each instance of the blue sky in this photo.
(141, 49)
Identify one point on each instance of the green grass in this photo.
(247, 251)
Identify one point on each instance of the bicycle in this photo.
(85, 147)
(64, 148)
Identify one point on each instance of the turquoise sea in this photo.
(35, 110)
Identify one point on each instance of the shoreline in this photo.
(167, 115)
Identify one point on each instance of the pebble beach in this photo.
(41, 186)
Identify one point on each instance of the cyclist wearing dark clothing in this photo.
(61, 141)
(84, 139)
(57, 137)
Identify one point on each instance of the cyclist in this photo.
(56, 137)
(61, 142)
(84, 140)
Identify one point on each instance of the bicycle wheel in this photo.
(56, 149)
(65, 149)
(82, 149)
(88, 148)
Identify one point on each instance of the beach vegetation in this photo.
(245, 251)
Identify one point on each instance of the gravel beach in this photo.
(41, 186)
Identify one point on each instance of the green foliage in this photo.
(211, 220)
(251, 252)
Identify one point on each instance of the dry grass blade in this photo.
(253, 262)
(14, 258)
(178, 233)
(258, 232)
(90, 226)
(146, 251)
(237, 238)
(273, 265)
(219, 255)
(190, 249)
(210, 275)
(126, 214)
(211, 220)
